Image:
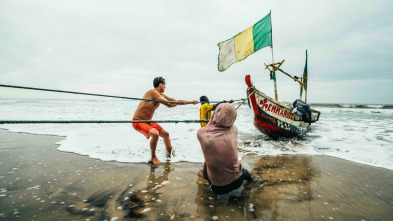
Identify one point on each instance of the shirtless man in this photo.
(145, 111)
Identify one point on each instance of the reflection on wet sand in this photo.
(288, 182)
(142, 201)
(39, 183)
(288, 178)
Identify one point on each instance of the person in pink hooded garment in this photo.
(219, 145)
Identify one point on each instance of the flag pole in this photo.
(274, 69)
(271, 36)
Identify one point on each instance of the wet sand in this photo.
(37, 182)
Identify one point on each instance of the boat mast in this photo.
(273, 68)
(301, 86)
(304, 81)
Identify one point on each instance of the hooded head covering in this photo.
(219, 145)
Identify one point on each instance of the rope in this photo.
(224, 101)
(81, 93)
(245, 99)
(96, 121)
(99, 95)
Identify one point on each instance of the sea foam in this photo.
(359, 134)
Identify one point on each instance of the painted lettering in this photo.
(274, 108)
(270, 105)
(263, 103)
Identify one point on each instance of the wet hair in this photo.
(203, 99)
(157, 81)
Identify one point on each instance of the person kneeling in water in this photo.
(219, 145)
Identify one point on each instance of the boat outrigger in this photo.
(281, 119)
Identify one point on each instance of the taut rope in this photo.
(96, 121)
(81, 93)
(245, 99)
(90, 94)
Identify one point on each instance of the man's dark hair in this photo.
(203, 99)
(157, 81)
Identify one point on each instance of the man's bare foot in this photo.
(155, 161)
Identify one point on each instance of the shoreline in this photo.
(41, 183)
(182, 161)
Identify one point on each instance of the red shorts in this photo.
(144, 128)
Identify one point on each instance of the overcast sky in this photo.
(117, 47)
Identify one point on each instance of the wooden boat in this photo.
(271, 117)
(280, 119)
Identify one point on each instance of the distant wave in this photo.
(369, 106)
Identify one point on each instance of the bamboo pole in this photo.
(274, 72)
(295, 79)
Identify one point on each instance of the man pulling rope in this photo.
(145, 111)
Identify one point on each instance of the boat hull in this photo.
(274, 118)
(274, 127)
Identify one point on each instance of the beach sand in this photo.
(37, 182)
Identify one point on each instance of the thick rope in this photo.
(96, 121)
(245, 99)
(224, 101)
(81, 93)
(99, 95)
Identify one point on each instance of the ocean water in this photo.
(359, 133)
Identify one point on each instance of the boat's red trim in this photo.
(252, 96)
(269, 125)
(248, 80)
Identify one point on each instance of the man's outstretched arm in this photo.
(182, 102)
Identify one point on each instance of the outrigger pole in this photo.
(302, 80)
(276, 67)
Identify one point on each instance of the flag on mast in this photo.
(245, 43)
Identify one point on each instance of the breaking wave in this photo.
(364, 106)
